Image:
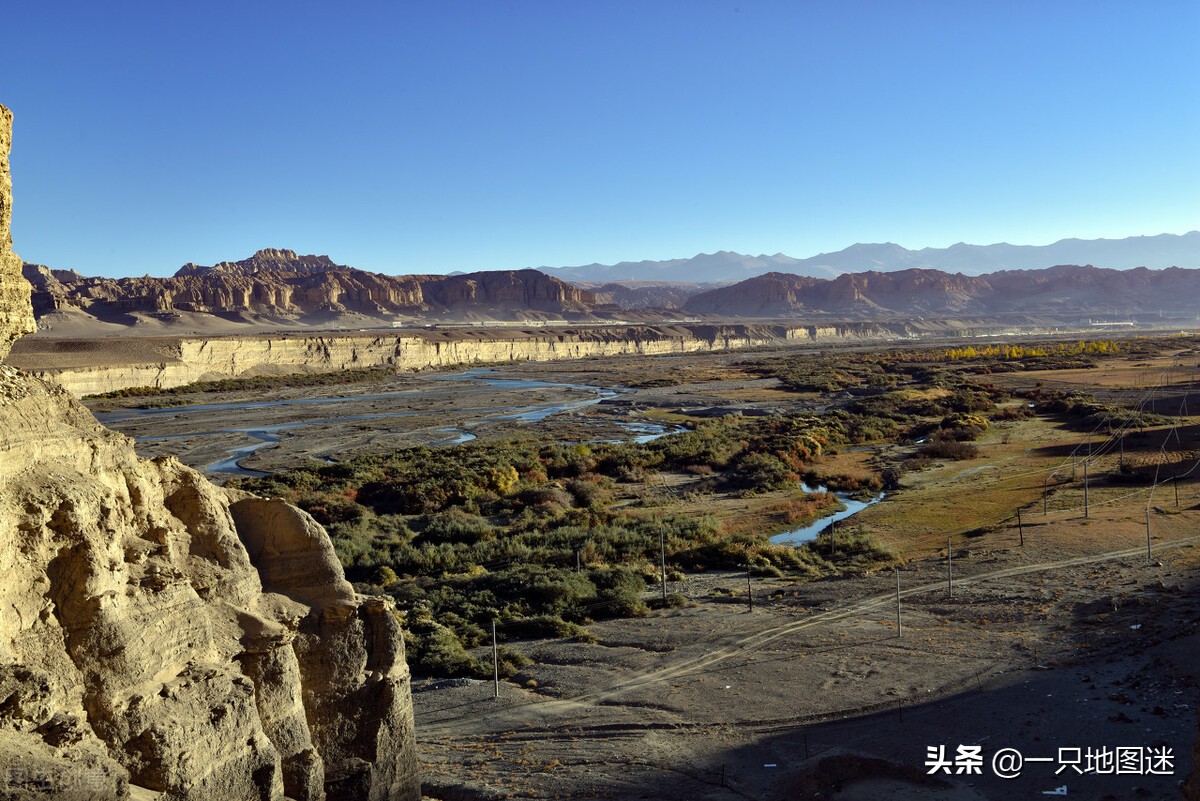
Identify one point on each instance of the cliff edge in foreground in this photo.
(163, 636)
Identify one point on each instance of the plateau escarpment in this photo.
(93, 367)
(164, 637)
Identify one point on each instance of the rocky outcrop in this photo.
(16, 315)
(162, 637)
(281, 285)
(267, 260)
(179, 639)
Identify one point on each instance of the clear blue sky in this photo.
(439, 135)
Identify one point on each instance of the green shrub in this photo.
(540, 627)
(509, 662)
(619, 592)
(948, 449)
(439, 653)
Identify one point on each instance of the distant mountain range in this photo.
(276, 288)
(1163, 250)
(1058, 292)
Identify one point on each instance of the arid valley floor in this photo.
(1060, 632)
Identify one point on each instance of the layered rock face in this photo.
(163, 637)
(186, 360)
(16, 315)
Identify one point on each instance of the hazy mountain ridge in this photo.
(1157, 252)
(1059, 290)
(722, 266)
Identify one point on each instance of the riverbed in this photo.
(422, 414)
(252, 436)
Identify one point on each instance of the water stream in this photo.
(803, 534)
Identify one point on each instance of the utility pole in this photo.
(899, 624)
(1020, 527)
(949, 569)
(749, 591)
(662, 562)
(1148, 557)
(1085, 490)
(495, 664)
(576, 560)
(832, 545)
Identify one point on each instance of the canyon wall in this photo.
(184, 361)
(163, 638)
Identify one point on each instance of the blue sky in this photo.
(435, 136)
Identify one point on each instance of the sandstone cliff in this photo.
(89, 367)
(164, 638)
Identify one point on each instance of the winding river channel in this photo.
(813, 530)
